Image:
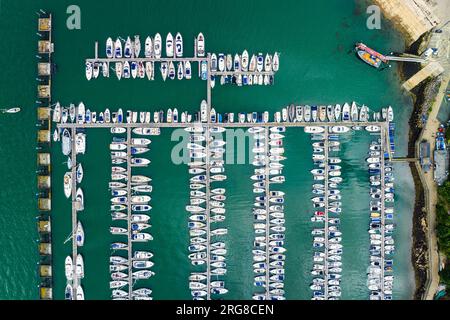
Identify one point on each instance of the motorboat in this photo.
(68, 184)
(68, 268)
(200, 45)
(118, 49)
(169, 45)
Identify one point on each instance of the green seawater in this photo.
(314, 39)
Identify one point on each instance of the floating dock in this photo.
(44, 185)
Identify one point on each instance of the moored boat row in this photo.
(207, 248)
(327, 202)
(130, 213)
(380, 277)
(268, 247)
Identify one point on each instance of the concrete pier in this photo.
(73, 155)
(129, 212)
(326, 211)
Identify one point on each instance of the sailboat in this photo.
(79, 235)
(187, 70)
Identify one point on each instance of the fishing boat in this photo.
(79, 235)
(66, 142)
(200, 45)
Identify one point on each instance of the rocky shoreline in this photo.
(423, 97)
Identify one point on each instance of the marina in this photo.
(109, 232)
(206, 166)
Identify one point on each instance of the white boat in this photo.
(68, 267)
(79, 235)
(79, 269)
(373, 128)
(180, 70)
(127, 51)
(119, 70)
(137, 46)
(80, 199)
(148, 52)
(390, 114)
(109, 48)
(268, 63)
(80, 113)
(157, 46)
(340, 129)
(56, 113)
(354, 112)
(67, 184)
(118, 49)
(80, 173)
(187, 71)
(66, 142)
(164, 70)
(314, 129)
(169, 45)
(337, 112)
(80, 143)
(252, 64)
(346, 112)
(68, 292)
(244, 60)
(178, 45)
(200, 45)
(89, 69)
(275, 62)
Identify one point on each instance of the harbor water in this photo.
(316, 67)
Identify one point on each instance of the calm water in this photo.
(314, 39)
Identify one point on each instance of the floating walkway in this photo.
(44, 185)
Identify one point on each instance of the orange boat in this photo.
(369, 59)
